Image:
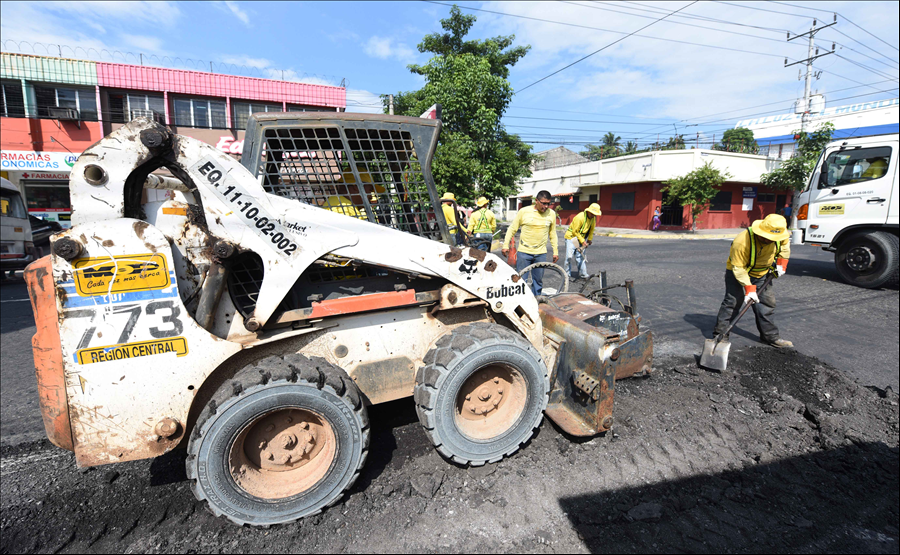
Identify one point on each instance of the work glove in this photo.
(750, 294)
(781, 267)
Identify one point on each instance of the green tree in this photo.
(469, 79)
(696, 189)
(795, 171)
(612, 143)
(675, 143)
(739, 139)
(631, 147)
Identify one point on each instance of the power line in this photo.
(863, 44)
(760, 9)
(845, 17)
(863, 53)
(858, 64)
(652, 9)
(607, 30)
(672, 22)
(607, 46)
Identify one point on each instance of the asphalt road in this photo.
(679, 285)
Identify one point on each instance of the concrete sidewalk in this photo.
(680, 234)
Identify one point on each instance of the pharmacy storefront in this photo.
(43, 179)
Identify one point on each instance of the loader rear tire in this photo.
(280, 441)
(481, 393)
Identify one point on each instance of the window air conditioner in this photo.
(70, 114)
(155, 116)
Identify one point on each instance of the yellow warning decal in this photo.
(125, 351)
(130, 272)
(831, 209)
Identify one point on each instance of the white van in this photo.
(16, 247)
(850, 207)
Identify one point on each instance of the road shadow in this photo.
(842, 500)
(822, 269)
(706, 323)
(389, 421)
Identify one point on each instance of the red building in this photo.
(52, 109)
(628, 189)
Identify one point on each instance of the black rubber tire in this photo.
(883, 245)
(456, 357)
(273, 383)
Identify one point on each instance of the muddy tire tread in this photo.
(292, 368)
(448, 350)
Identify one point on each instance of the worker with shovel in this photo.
(753, 253)
(579, 235)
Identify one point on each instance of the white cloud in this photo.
(645, 77)
(241, 60)
(360, 100)
(388, 47)
(237, 12)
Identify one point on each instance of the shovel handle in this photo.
(743, 310)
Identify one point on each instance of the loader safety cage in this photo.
(372, 167)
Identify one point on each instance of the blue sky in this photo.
(649, 83)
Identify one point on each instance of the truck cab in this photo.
(850, 207)
(16, 247)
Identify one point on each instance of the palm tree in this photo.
(630, 147)
(612, 143)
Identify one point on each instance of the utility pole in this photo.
(391, 104)
(812, 55)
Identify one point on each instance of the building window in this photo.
(721, 202)
(765, 197)
(622, 201)
(566, 204)
(306, 109)
(13, 102)
(124, 107)
(209, 114)
(242, 111)
(592, 198)
(66, 103)
(513, 203)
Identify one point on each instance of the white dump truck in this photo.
(849, 207)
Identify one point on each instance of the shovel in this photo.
(715, 351)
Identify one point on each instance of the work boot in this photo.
(781, 344)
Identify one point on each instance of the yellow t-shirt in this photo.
(582, 228)
(482, 221)
(536, 228)
(739, 257)
(343, 205)
(450, 216)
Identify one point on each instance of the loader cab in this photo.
(16, 246)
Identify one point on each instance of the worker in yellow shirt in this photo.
(448, 206)
(482, 224)
(343, 205)
(752, 255)
(538, 223)
(579, 235)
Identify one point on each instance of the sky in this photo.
(696, 72)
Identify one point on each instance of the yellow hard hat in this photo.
(481, 201)
(594, 209)
(773, 227)
(449, 196)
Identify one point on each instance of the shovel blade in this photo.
(715, 355)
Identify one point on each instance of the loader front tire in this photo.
(481, 393)
(280, 441)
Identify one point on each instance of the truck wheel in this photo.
(481, 393)
(281, 440)
(868, 259)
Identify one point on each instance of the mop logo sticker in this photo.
(131, 272)
(825, 209)
(505, 291)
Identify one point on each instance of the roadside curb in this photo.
(666, 237)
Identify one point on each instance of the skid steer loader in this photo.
(251, 312)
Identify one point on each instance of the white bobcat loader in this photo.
(251, 313)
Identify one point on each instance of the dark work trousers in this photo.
(734, 301)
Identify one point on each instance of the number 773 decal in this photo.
(166, 337)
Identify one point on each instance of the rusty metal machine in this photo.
(251, 311)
